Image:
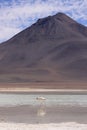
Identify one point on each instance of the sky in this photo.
(16, 15)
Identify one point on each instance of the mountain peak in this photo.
(59, 17)
(58, 26)
(60, 14)
(55, 27)
(64, 18)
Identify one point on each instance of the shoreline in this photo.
(59, 126)
(48, 91)
(44, 85)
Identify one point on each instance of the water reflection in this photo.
(42, 106)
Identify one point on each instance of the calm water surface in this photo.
(51, 99)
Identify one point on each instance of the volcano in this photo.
(52, 50)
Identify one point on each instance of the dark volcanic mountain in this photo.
(54, 49)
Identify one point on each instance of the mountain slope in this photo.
(54, 49)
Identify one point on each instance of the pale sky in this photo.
(16, 15)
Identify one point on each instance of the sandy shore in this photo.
(42, 91)
(44, 87)
(61, 126)
(25, 89)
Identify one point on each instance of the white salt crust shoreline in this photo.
(40, 90)
(59, 126)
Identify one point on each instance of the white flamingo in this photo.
(40, 98)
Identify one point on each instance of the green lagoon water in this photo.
(51, 99)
